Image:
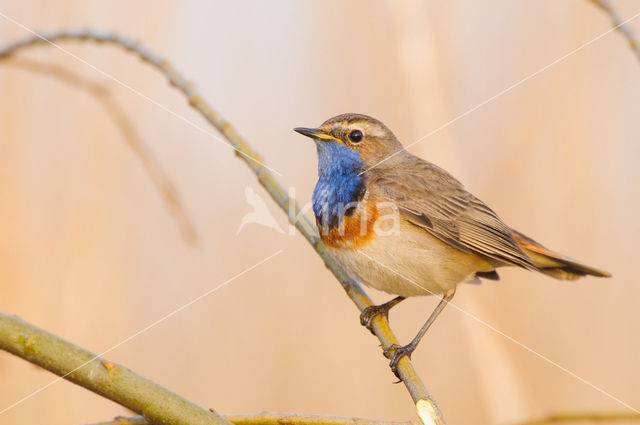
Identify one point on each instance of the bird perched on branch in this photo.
(403, 225)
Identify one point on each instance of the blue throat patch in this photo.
(338, 182)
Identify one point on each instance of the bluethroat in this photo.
(403, 225)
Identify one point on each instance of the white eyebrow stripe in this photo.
(374, 131)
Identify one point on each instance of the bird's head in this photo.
(350, 138)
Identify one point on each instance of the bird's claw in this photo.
(370, 313)
(394, 353)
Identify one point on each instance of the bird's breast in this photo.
(353, 229)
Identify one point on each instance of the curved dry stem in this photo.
(426, 406)
(616, 21)
(133, 140)
(268, 418)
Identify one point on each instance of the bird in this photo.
(403, 225)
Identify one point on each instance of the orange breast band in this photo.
(353, 231)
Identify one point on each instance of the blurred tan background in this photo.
(89, 251)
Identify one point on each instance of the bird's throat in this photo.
(340, 186)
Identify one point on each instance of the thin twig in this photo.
(157, 404)
(616, 21)
(133, 140)
(426, 406)
(268, 418)
(585, 417)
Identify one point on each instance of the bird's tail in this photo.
(554, 264)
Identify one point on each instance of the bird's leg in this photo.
(395, 352)
(369, 313)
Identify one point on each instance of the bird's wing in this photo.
(430, 198)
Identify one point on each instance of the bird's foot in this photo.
(395, 352)
(370, 313)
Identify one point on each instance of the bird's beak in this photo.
(315, 133)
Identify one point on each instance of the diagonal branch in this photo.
(617, 23)
(426, 407)
(115, 382)
(140, 149)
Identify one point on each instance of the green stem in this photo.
(155, 403)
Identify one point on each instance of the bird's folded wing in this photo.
(430, 198)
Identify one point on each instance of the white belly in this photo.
(409, 263)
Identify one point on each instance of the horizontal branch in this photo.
(268, 418)
(426, 406)
(585, 417)
(110, 380)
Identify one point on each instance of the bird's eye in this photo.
(355, 136)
